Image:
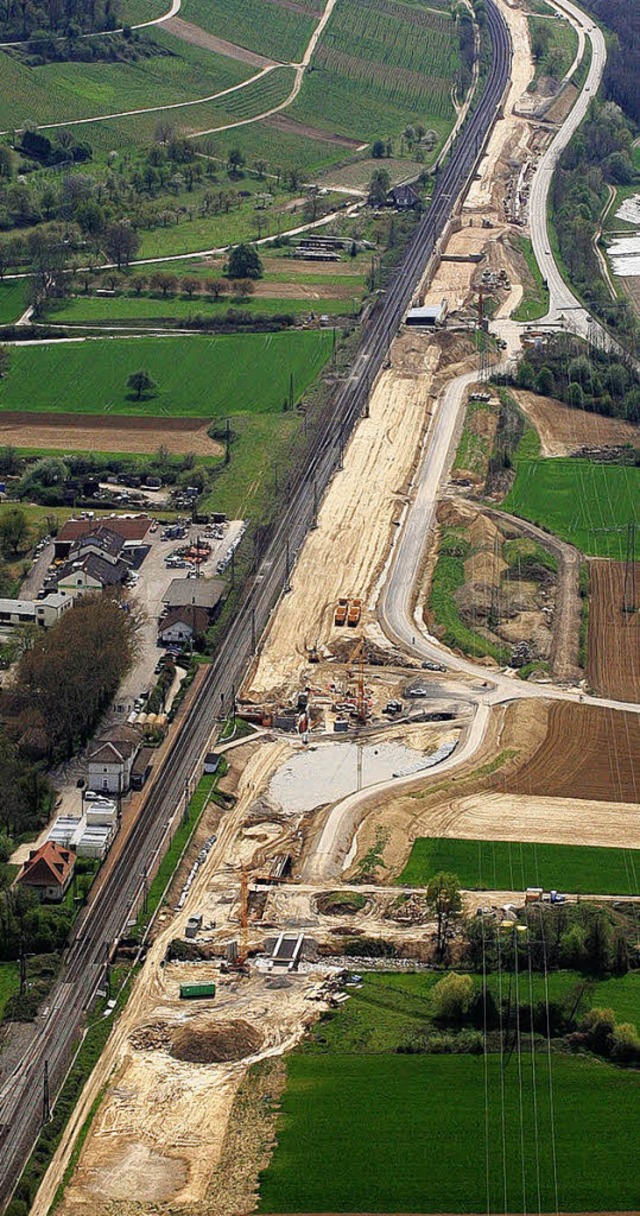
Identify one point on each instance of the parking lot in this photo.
(152, 581)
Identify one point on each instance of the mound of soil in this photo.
(340, 903)
(217, 1043)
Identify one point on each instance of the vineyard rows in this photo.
(401, 86)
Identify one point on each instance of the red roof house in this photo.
(48, 871)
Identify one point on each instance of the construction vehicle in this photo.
(355, 612)
(342, 610)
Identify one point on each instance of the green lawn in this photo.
(503, 865)
(201, 376)
(579, 501)
(397, 1133)
(365, 1129)
(105, 309)
(9, 983)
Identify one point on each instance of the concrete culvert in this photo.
(219, 1042)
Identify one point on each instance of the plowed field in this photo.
(585, 753)
(107, 433)
(613, 665)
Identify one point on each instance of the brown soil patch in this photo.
(613, 665)
(107, 433)
(217, 1043)
(197, 37)
(562, 429)
(587, 752)
(289, 126)
(302, 291)
(291, 267)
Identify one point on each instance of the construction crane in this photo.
(358, 656)
(244, 916)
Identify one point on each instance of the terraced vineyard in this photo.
(261, 25)
(380, 66)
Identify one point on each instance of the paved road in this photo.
(563, 304)
(21, 1095)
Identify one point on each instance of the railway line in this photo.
(21, 1102)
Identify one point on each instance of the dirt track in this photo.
(563, 429)
(613, 666)
(198, 37)
(107, 433)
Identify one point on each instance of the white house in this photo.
(111, 760)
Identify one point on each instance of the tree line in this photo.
(21, 18)
(623, 58)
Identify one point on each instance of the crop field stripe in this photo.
(514, 865)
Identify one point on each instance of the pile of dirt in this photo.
(340, 903)
(156, 1036)
(409, 909)
(218, 1042)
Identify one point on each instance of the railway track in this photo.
(104, 921)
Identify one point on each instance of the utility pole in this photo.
(314, 516)
(145, 893)
(287, 568)
(233, 568)
(253, 631)
(291, 390)
(23, 967)
(186, 801)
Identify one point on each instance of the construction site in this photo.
(360, 746)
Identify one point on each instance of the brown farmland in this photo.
(107, 433)
(613, 665)
(586, 752)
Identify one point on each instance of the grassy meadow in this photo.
(364, 1128)
(209, 377)
(503, 865)
(585, 503)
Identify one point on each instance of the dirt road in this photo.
(346, 553)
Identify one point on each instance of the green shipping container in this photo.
(191, 992)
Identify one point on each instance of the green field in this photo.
(13, 300)
(58, 92)
(120, 133)
(379, 66)
(365, 1129)
(92, 310)
(206, 377)
(278, 32)
(579, 501)
(502, 865)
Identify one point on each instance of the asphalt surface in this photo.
(563, 305)
(105, 919)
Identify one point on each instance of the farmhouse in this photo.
(112, 758)
(48, 871)
(132, 529)
(91, 573)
